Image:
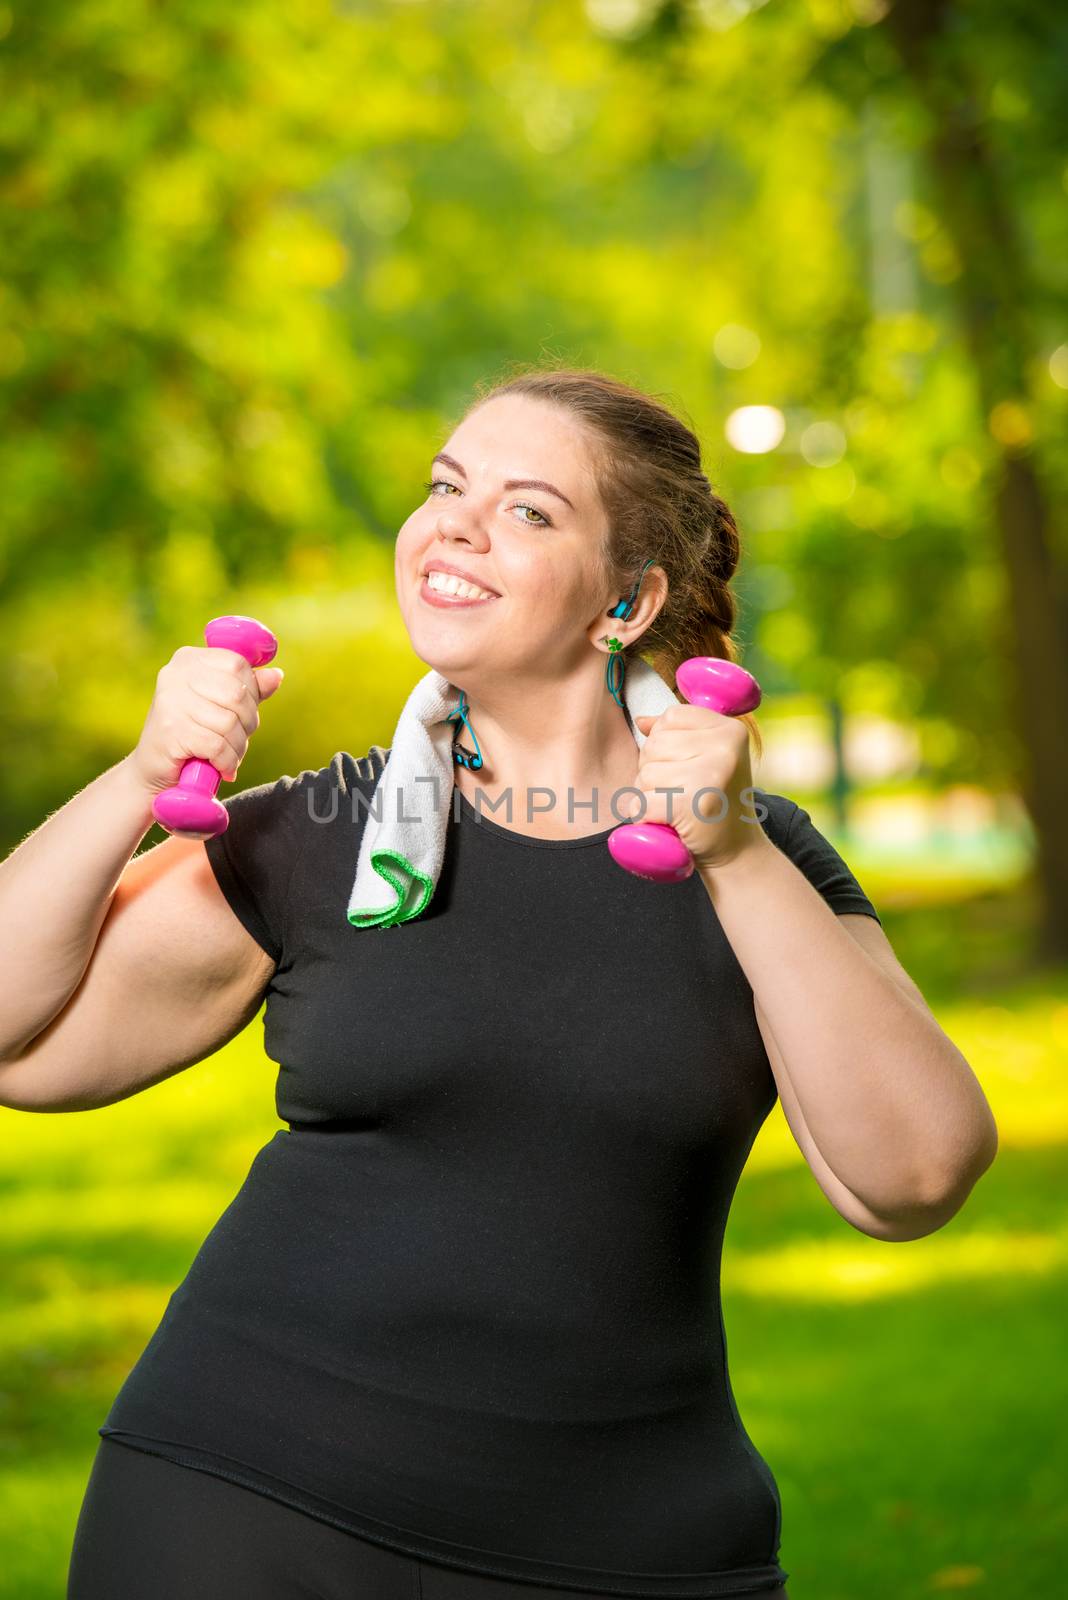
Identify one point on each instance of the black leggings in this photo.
(151, 1529)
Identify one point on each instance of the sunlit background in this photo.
(254, 260)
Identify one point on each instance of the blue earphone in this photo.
(460, 755)
(625, 607)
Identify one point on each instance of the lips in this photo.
(458, 572)
(451, 602)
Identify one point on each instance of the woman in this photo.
(459, 1333)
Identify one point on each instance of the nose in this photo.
(451, 528)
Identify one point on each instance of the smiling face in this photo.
(515, 508)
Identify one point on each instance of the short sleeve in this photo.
(254, 859)
(823, 866)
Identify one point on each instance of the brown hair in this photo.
(647, 467)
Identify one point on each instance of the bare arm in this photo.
(115, 971)
(56, 889)
(903, 1224)
(173, 976)
(888, 1100)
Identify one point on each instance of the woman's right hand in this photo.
(205, 706)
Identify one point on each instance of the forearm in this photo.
(890, 1102)
(55, 891)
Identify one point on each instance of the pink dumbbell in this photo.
(652, 849)
(190, 807)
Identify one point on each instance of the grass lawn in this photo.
(909, 1397)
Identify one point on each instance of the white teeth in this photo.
(445, 583)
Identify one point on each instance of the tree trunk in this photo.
(995, 298)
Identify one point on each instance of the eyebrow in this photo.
(512, 483)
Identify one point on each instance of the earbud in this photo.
(462, 757)
(624, 608)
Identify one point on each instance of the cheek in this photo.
(404, 546)
(528, 573)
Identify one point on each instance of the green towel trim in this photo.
(412, 888)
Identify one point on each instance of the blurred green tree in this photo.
(256, 262)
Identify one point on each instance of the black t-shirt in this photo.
(467, 1302)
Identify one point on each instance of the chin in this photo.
(447, 662)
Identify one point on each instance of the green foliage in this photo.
(168, 368)
(256, 260)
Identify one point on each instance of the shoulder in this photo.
(775, 813)
(344, 786)
(790, 827)
(282, 803)
(346, 772)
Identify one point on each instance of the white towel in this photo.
(403, 841)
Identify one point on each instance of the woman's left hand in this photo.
(689, 749)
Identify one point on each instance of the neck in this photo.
(541, 741)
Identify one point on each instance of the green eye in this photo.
(519, 505)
